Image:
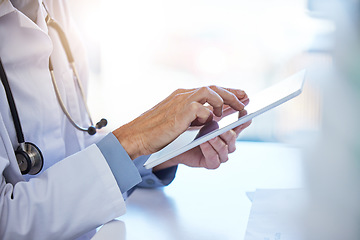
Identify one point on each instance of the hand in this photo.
(209, 154)
(159, 126)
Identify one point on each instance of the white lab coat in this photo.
(76, 191)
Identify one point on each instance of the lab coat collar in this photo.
(6, 7)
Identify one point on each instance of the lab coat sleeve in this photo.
(67, 200)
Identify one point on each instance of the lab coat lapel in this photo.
(40, 19)
(40, 24)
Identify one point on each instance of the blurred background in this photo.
(141, 51)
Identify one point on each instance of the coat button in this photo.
(150, 181)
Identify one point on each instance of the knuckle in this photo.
(220, 103)
(233, 135)
(229, 137)
(194, 107)
(204, 89)
(213, 87)
(240, 92)
(224, 148)
(179, 91)
(213, 140)
(232, 96)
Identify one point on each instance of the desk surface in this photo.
(208, 204)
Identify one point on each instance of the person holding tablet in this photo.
(60, 177)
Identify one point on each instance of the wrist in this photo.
(128, 140)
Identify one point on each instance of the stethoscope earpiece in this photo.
(102, 123)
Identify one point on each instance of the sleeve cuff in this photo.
(122, 167)
(166, 175)
(150, 179)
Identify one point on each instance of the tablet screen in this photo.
(259, 103)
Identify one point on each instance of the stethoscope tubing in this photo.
(65, 44)
(11, 101)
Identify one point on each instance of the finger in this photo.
(229, 139)
(221, 148)
(207, 95)
(216, 97)
(211, 159)
(200, 114)
(242, 113)
(200, 122)
(241, 127)
(240, 94)
(227, 110)
(231, 98)
(245, 101)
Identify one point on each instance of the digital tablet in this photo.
(260, 103)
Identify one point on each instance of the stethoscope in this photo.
(28, 155)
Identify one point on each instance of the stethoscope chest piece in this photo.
(29, 158)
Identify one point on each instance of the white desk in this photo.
(208, 204)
